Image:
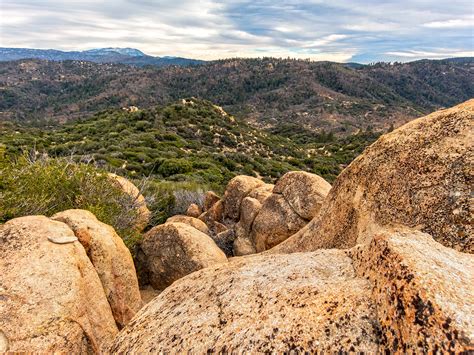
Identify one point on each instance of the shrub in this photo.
(47, 186)
(174, 166)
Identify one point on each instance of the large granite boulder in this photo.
(275, 222)
(402, 293)
(191, 221)
(260, 304)
(243, 243)
(304, 192)
(419, 175)
(173, 250)
(237, 189)
(51, 299)
(111, 259)
(424, 292)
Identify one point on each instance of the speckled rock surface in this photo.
(275, 222)
(243, 246)
(237, 189)
(191, 221)
(304, 192)
(243, 243)
(194, 210)
(225, 241)
(174, 250)
(111, 259)
(311, 301)
(261, 193)
(210, 198)
(128, 187)
(51, 299)
(419, 175)
(424, 292)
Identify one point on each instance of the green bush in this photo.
(174, 166)
(47, 186)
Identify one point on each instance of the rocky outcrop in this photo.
(237, 189)
(139, 203)
(173, 250)
(258, 215)
(423, 291)
(418, 176)
(299, 302)
(403, 292)
(51, 299)
(191, 221)
(303, 191)
(275, 222)
(111, 259)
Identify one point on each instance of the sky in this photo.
(337, 30)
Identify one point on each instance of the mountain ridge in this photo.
(131, 56)
(268, 93)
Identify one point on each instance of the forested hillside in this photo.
(190, 140)
(338, 98)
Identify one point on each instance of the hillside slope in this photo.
(189, 140)
(266, 92)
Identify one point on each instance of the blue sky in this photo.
(338, 30)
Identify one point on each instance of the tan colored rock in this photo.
(174, 250)
(191, 221)
(260, 304)
(243, 246)
(194, 210)
(275, 222)
(304, 192)
(424, 292)
(111, 259)
(213, 214)
(210, 198)
(139, 203)
(225, 241)
(261, 193)
(249, 209)
(51, 299)
(237, 189)
(418, 176)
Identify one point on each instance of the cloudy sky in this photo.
(338, 30)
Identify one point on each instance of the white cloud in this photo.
(453, 23)
(340, 30)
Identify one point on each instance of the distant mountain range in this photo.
(129, 56)
(285, 95)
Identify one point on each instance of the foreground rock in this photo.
(173, 250)
(51, 299)
(139, 203)
(111, 259)
(403, 292)
(424, 292)
(418, 176)
(260, 304)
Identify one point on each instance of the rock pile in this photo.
(400, 280)
(254, 216)
(378, 263)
